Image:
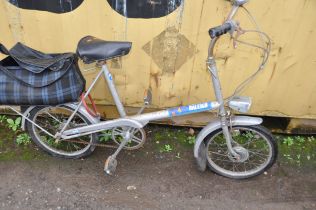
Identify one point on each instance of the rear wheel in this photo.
(53, 119)
(255, 145)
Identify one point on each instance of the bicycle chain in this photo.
(93, 144)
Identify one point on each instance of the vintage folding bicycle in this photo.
(233, 146)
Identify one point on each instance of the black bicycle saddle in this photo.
(91, 49)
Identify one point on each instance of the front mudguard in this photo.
(200, 147)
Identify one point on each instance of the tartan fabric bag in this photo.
(30, 77)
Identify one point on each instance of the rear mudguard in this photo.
(200, 147)
(82, 110)
(26, 113)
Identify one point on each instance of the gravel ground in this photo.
(148, 179)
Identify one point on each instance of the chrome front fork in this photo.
(222, 111)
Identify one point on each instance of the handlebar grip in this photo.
(220, 30)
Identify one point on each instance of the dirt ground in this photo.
(145, 179)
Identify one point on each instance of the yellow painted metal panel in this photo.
(169, 53)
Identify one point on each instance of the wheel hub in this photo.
(242, 152)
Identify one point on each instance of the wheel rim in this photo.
(258, 147)
(52, 119)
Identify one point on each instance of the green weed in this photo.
(166, 148)
(191, 140)
(288, 141)
(3, 118)
(105, 136)
(14, 124)
(23, 139)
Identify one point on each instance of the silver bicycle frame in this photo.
(137, 121)
(140, 120)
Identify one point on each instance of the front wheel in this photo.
(255, 145)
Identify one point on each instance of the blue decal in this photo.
(110, 76)
(190, 109)
(75, 131)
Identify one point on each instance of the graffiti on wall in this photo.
(144, 8)
(127, 8)
(55, 6)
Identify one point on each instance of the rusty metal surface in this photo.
(302, 126)
(169, 52)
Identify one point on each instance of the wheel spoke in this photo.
(116, 133)
(259, 154)
(252, 163)
(228, 161)
(118, 130)
(135, 131)
(218, 153)
(244, 166)
(136, 139)
(52, 117)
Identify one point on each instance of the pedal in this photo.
(110, 165)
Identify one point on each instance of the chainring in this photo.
(137, 137)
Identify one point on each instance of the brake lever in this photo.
(239, 32)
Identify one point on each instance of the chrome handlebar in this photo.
(228, 22)
(228, 26)
(231, 26)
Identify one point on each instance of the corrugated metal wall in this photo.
(169, 52)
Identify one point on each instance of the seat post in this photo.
(111, 85)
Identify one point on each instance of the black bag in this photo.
(30, 77)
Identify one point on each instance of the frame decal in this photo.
(110, 76)
(190, 109)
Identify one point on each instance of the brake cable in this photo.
(266, 52)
